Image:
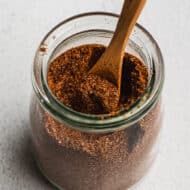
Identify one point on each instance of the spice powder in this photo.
(70, 82)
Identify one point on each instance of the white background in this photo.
(23, 23)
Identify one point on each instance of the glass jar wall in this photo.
(81, 151)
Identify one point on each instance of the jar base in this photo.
(133, 187)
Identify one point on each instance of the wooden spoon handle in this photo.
(129, 15)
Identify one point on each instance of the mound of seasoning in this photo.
(70, 82)
(76, 160)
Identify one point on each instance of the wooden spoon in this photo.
(110, 63)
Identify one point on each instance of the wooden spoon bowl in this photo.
(109, 65)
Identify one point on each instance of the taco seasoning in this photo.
(82, 139)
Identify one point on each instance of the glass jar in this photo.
(78, 151)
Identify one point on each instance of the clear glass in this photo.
(81, 151)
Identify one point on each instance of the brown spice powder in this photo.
(93, 144)
(70, 82)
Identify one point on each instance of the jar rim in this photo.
(90, 122)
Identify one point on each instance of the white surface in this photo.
(22, 26)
